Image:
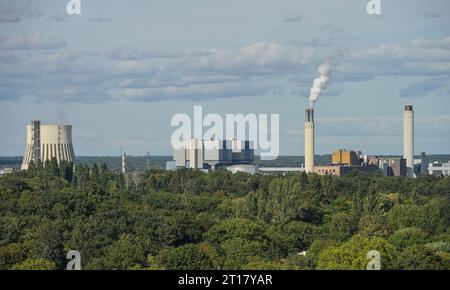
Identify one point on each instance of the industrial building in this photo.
(341, 170)
(237, 156)
(344, 157)
(45, 142)
(438, 168)
(7, 170)
(390, 166)
(207, 154)
(421, 165)
(245, 168)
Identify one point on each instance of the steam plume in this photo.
(321, 82)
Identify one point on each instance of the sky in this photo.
(120, 70)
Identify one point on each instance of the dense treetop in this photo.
(193, 220)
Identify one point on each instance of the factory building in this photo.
(438, 168)
(45, 142)
(7, 170)
(244, 168)
(390, 166)
(344, 162)
(207, 154)
(341, 170)
(423, 164)
(344, 157)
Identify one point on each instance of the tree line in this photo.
(188, 219)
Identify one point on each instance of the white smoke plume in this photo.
(321, 82)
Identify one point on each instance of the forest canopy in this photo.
(193, 220)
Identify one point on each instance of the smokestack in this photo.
(408, 139)
(124, 163)
(309, 140)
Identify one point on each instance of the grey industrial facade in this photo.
(207, 154)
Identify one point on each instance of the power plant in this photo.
(45, 142)
(408, 139)
(309, 140)
(208, 154)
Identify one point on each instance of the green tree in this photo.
(188, 257)
(35, 264)
(12, 254)
(238, 252)
(340, 228)
(124, 254)
(419, 257)
(284, 199)
(373, 225)
(300, 235)
(352, 255)
(408, 237)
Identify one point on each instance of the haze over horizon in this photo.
(119, 71)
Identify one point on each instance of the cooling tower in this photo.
(45, 142)
(309, 140)
(408, 139)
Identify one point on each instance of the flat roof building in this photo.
(345, 157)
(389, 165)
(341, 170)
(437, 168)
(206, 154)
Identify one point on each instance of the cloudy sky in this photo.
(119, 71)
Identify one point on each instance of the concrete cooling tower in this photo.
(45, 142)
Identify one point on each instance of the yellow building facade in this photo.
(344, 157)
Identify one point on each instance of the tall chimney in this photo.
(309, 140)
(408, 139)
(124, 162)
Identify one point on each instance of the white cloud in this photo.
(33, 41)
(130, 53)
(418, 57)
(257, 57)
(253, 70)
(13, 11)
(190, 92)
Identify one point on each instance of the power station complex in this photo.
(207, 154)
(345, 161)
(238, 156)
(45, 142)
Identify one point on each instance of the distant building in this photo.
(4, 171)
(437, 168)
(245, 168)
(341, 170)
(207, 154)
(424, 164)
(344, 157)
(280, 170)
(421, 165)
(389, 166)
